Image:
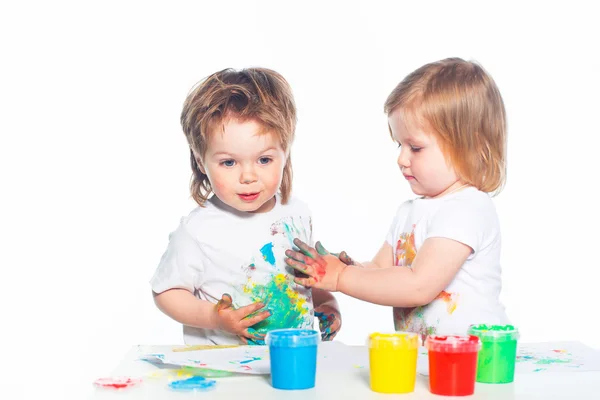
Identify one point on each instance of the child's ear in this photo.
(200, 166)
(198, 162)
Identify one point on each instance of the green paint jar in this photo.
(498, 354)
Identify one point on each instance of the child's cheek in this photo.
(220, 182)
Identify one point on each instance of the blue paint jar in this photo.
(293, 354)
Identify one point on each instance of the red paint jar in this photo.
(452, 364)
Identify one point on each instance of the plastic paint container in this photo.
(393, 362)
(452, 364)
(498, 352)
(293, 354)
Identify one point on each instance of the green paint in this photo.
(498, 354)
(320, 249)
(206, 372)
(547, 361)
(288, 308)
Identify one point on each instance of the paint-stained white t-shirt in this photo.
(217, 249)
(467, 216)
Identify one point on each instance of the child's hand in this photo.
(323, 271)
(237, 321)
(330, 321)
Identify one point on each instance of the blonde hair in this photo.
(257, 94)
(461, 104)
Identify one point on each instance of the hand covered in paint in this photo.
(330, 321)
(238, 321)
(321, 268)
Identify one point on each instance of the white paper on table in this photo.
(331, 356)
(336, 356)
(243, 359)
(556, 357)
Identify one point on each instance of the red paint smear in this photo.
(116, 383)
(320, 271)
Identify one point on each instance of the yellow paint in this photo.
(279, 279)
(205, 347)
(393, 362)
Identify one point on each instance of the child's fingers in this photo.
(345, 258)
(296, 256)
(243, 312)
(306, 249)
(255, 319)
(225, 302)
(306, 282)
(255, 335)
(320, 249)
(298, 266)
(243, 339)
(247, 333)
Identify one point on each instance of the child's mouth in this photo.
(248, 196)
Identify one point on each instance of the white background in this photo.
(94, 166)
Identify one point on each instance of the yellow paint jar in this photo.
(393, 361)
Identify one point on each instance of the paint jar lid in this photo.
(395, 340)
(496, 333)
(292, 337)
(453, 344)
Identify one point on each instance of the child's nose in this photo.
(403, 160)
(248, 175)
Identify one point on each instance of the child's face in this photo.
(421, 160)
(244, 166)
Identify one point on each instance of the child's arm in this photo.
(434, 267)
(328, 312)
(185, 308)
(383, 259)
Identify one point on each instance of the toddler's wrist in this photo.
(339, 283)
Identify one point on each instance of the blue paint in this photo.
(267, 252)
(257, 341)
(249, 361)
(195, 383)
(293, 354)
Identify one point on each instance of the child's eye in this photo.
(416, 149)
(399, 144)
(264, 160)
(228, 163)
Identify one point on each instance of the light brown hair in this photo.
(459, 102)
(258, 94)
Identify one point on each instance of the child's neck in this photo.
(455, 187)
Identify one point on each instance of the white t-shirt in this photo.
(467, 216)
(217, 249)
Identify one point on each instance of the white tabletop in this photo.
(345, 383)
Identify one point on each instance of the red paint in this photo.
(321, 271)
(452, 364)
(117, 383)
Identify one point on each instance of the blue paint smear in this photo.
(196, 383)
(251, 360)
(267, 252)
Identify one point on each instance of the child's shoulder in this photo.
(471, 199)
(405, 206)
(295, 204)
(202, 216)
